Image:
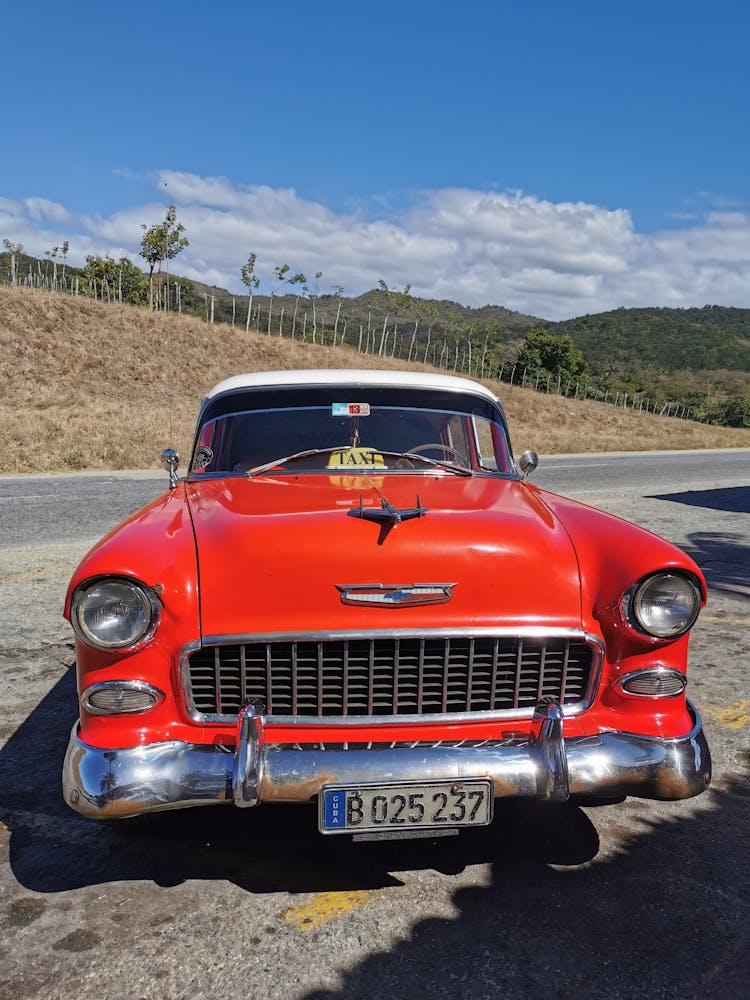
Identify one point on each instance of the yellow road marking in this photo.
(325, 907)
(733, 717)
(742, 620)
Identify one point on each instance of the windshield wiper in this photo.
(292, 458)
(460, 470)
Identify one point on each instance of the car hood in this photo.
(272, 554)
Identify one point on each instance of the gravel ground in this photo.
(640, 899)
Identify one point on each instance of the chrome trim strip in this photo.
(143, 686)
(336, 721)
(517, 682)
(184, 677)
(217, 679)
(295, 677)
(175, 774)
(470, 678)
(320, 678)
(502, 631)
(269, 680)
(575, 708)
(371, 678)
(243, 668)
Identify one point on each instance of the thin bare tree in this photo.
(14, 250)
(279, 277)
(250, 281)
(299, 281)
(338, 291)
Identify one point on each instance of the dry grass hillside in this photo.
(88, 385)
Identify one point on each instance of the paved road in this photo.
(44, 509)
(640, 900)
(642, 472)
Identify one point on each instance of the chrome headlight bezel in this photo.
(634, 604)
(145, 596)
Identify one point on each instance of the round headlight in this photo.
(665, 605)
(114, 613)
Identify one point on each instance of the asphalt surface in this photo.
(640, 899)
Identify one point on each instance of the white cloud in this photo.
(42, 208)
(553, 260)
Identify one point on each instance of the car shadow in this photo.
(663, 916)
(267, 849)
(724, 556)
(735, 499)
(662, 913)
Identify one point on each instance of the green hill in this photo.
(665, 339)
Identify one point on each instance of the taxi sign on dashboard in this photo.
(358, 458)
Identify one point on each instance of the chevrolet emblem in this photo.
(397, 595)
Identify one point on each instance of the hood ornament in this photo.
(387, 516)
(395, 595)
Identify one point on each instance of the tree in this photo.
(13, 250)
(545, 354)
(432, 313)
(383, 287)
(159, 243)
(417, 309)
(400, 305)
(301, 281)
(64, 254)
(250, 281)
(735, 412)
(338, 291)
(312, 292)
(279, 277)
(119, 279)
(51, 255)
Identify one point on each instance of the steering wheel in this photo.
(446, 449)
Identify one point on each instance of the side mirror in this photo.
(527, 463)
(170, 460)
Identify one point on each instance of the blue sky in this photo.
(557, 158)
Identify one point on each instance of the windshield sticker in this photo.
(356, 458)
(350, 410)
(203, 458)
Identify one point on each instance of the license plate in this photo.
(430, 805)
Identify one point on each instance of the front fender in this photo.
(156, 546)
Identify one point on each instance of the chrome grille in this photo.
(388, 676)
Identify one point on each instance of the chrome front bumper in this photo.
(114, 784)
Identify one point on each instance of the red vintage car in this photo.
(354, 598)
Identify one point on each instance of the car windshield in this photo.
(359, 430)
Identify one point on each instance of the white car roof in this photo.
(353, 376)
